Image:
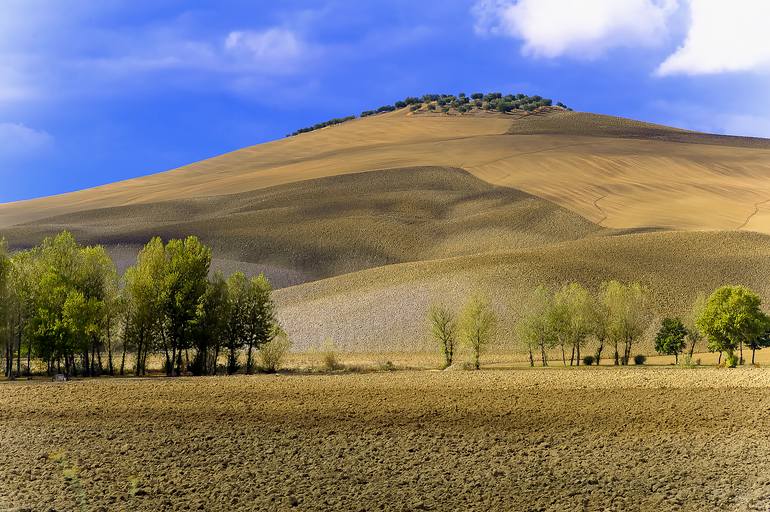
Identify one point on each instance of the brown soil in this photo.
(593, 439)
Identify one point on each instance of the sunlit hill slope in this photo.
(363, 224)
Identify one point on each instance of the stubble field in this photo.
(529, 439)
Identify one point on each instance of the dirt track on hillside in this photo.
(593, 439)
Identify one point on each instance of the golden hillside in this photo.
(362, 225)
(617, 172)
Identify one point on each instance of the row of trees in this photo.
(614, 318)
(494, 101)
(474, 327)
(729, 319)
(66, 305)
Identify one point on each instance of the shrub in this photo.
(588, 360)
(731, 361)
(640, 359)
(387, 366)
(329, 356)
(273, 353)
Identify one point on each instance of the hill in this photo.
(330, 226)
(362, 224)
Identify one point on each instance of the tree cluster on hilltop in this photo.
(449, 103)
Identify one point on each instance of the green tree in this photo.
(627, 316)
(575, 301)
(534, 328)
(732, 317)
(261, 322)
(443, 329)
(5, 308)
(759, 342)
(671, 338)
(599, 323)
(187, 267)
(478, 323)
(145, 286)
(236, 327)
(211, 326)
(694, 335)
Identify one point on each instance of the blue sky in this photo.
(96, 91)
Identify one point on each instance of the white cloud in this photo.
(723, 37)
(272, 46)
(17, 139)
(551, 28)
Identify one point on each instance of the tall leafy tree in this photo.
(187, 267)
(575, 300)
(478, 323)
(534, 328)
(211, 326)
(261, 322)
(671, 338)
(627, 316)
(731, 318)
(146, 297)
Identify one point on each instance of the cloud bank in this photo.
(551, 28)
(720, 36)
(723, 37)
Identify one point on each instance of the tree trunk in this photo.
(572, 356)
(616, 354)
(248, 358)
(18, 358)
(543, 356)
(477, 355)
(692, 347)
(753, 349)
(563, 356)
(577, 361)
(741, 356)
(29, 357)
(719, 361)
(531, 358)
(599, 352)
(676, 357)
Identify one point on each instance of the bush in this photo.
(588, 360)
(387, 366)
(731, 361)
(640, 359)
(330, 357)
(274, 352)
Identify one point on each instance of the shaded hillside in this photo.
(385, 308)
(331, 226)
